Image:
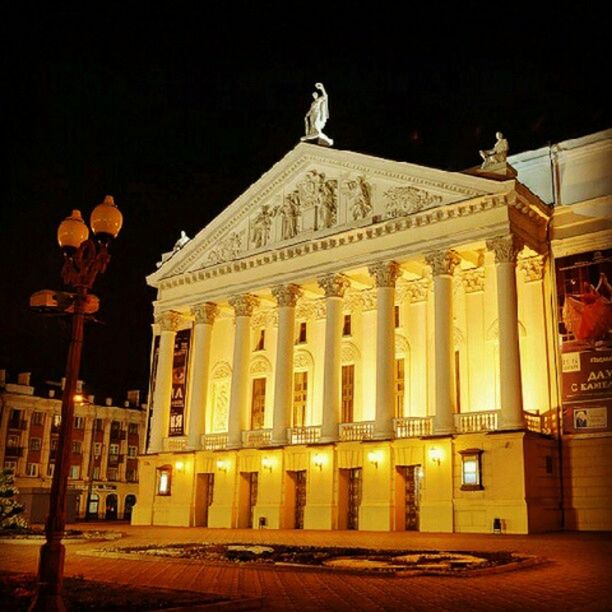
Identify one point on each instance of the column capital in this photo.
(385, 273)
(244, 304)
(532, 268)
(417, 290)
(168, 320)
(286, 295)
(334, 285)
(443, 262)
(506, 248)
(205, 313)
(473, 280)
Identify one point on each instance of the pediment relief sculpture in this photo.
(406, 200)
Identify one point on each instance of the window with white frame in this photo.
(113, 449)
(32, 469)
(38, 418)
(35, 444)
(79, 421)
(111, 473)
(471, 469)
(76, 447)
(164, 480)
(97, 449)
(96, 473)
(75, 472)
(132, 451)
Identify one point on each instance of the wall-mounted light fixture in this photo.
(435, 455)
(221, 465)
(266, 463)
(180, 466)
(318, 460)
(375, 457)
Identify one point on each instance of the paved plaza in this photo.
(575, 576)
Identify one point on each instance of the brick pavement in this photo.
(577, 576)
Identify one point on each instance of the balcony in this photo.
(474, 422)
(412, 427)
(13, 452)
(18, 425)
(539, 423)
(216, 441)
(304, 435)
(350, 432)
(256, 438)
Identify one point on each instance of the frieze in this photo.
(227, 249)
(358, 192)
(417, 290)
(532, 268)
(406, 200)
(473, 280)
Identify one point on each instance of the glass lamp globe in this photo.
(106, 220)
(72, 232)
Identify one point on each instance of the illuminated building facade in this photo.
(103, 478)
(357, 343)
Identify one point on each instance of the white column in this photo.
(506, 249)
(334, 286)
(168, 322)
(443, 264)
(286, 297)
(198, 378)
(385, 274)
(238, 417)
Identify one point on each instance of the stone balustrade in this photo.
(412, 427)
(363, 430)
(304, 435)
(473, 422)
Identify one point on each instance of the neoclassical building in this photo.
(358, 343)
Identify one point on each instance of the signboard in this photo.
(179, 380)
(584, 301)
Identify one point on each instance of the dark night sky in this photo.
(176, 114)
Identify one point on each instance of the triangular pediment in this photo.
(315, 191)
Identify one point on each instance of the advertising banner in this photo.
(179, 382)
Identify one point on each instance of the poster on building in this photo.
(179, 380)
(152, 376)
(584, 301)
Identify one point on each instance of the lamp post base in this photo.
(49, 597)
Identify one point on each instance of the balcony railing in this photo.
(536, 422)
(412, 427)
(363, 430)
(304, 435)
(256, 438)
(474, 422)
(216, 441)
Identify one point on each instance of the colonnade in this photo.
(384, 275)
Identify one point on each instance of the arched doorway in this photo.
(92, 506)
(111, 507)
(130, 500)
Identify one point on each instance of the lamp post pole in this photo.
(84, 260)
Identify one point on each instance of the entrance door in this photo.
(130, 501)
(204, 497)
(300, 498)
(92, 507)
(407, 497)
(248, 499)
(111, 507)
(349, 498)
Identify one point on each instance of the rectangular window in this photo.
(38, 418)
(396, 314)
(300, 396)
(99, 426)
(111, 473)
(50, 469)
(57, 420)
(96, 473)
(131, 475)
(53, 443)
(471, 469)
(113, 449)
(35, 444)
(133, 428)
(32, 469)
(348, 389)
(346, 326)
(76, 447)
(97, 449)
(78, 422)
(261, 340)
(164, 480)
(258, 403)
(302, 333)
(132, 451)
(12, 440)
(10, 465)
(75, 472)
(399, 388)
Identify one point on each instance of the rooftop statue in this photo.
(497, 155)
(181, 242)
(317, 117)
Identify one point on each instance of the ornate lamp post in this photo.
(84, 259)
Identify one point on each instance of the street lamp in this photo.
(84, 259)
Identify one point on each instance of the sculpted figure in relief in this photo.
(359, 192)
(262, 225)
(329, 203)
(498, 154)
(317, 116)
(289, 211)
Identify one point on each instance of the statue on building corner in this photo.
(317, 117)
(497, 155)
